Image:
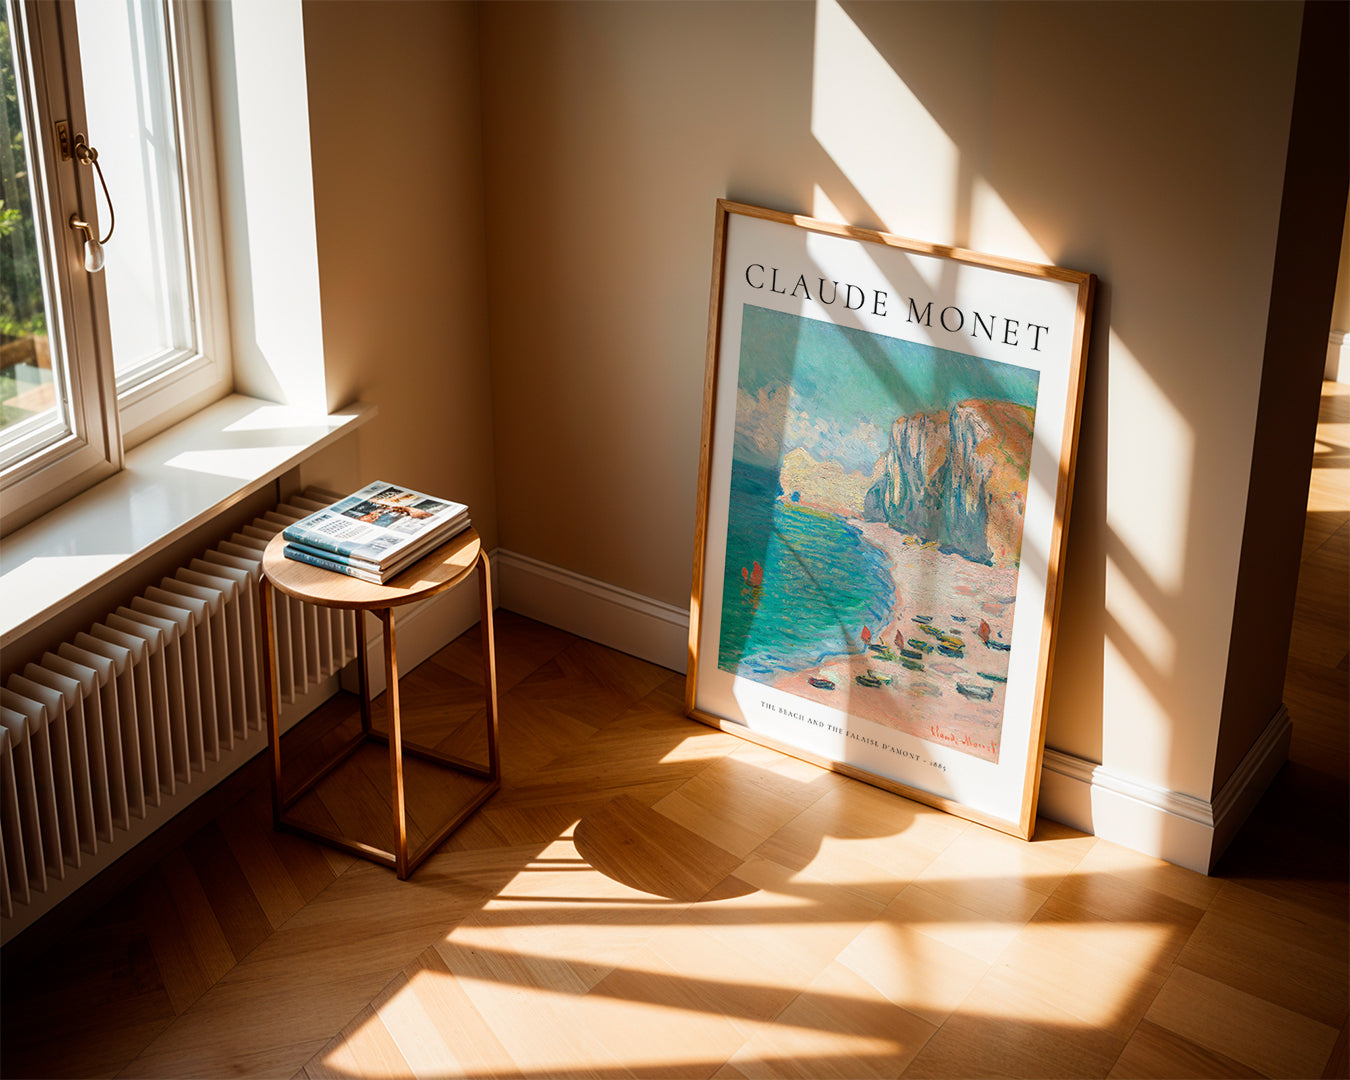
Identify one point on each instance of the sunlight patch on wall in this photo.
(875, 129)
(280, 349)
(897, 156)
(822, 206)
(1138, 620)
(994, 227)
(1143, 748)
(1152, 450)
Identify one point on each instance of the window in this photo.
(92, 363)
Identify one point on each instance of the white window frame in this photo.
(105, 422)
(92, 448)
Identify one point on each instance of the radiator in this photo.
(135, 717)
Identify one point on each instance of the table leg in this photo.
(400, 810)
(489, 661)
(363, 671)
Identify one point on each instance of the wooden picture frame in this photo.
(887, 457)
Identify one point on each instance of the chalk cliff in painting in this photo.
(958, 478)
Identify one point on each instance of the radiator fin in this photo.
(130, 714)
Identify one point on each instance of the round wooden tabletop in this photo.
(443, 569)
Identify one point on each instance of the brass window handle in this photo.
(93, 247)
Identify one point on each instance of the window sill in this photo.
(171, 484)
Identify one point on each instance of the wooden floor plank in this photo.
(1003, 1029)
(185, 975)
(470, 1046)
(1273, 1040)
(839, 1027)
(1274, 949)
(1154, 1053)
(267, 875)
(629, 842)
(363, 1048)
(913, 970)
(241, 917)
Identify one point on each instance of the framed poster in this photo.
(888, 441)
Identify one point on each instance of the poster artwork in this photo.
(888, 441)
(875, 524)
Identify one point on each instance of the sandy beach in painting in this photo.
(941, 600)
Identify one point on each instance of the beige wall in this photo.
(609, 132)
(398, 203)
(1142, 142)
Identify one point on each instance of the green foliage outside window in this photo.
(24, 363)
(21, 307)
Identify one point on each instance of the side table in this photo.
(443, 569)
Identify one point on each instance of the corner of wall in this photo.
(1307, 252)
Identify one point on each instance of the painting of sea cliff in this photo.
(878, 489)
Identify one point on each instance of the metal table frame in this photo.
(443, 569)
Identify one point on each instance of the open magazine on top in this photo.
(380, 527)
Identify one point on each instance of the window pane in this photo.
(32, 411)
(129, 104)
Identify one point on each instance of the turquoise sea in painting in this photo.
(875, 514)
(818, 584)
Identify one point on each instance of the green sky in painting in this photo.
(841, 376)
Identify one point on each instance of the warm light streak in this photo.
(1152, 450)
(281, 417)
(862, 139)
(1138, 620)
(562, 990)
(275, 189)
(994, 227)
(1144, 746)
(822, 206)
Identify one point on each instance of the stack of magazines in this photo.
(376, 532)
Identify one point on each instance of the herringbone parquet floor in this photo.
(650, 897)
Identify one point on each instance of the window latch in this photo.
(93, 247)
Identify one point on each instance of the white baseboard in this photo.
(1181, 829)
(595, 610)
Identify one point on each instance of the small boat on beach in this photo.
(873, 679)
(911, 663)
(1001, 646)
(954, 649)
(922, 619)
(820, 683)
(921, 645)
(992, 677)
(975, 693)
